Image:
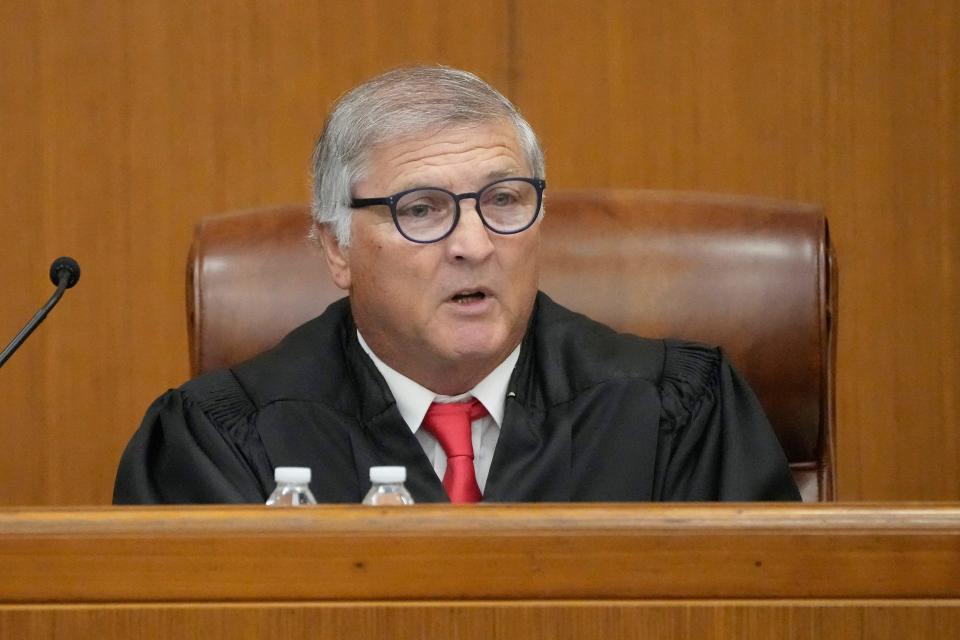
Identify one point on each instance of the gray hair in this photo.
(399, 103)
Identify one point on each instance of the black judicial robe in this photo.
(590, 415)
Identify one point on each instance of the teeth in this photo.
(467, 297)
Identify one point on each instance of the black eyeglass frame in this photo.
(391, 201)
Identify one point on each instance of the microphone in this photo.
(64, 272)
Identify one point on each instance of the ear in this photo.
(337, 257)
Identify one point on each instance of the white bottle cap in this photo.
(292, 475)
(388, 474)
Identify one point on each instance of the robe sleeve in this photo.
(197, 444)
(716, 442)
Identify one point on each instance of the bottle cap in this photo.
(388, 474)
(292, 475)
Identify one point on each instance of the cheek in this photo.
(387, 274)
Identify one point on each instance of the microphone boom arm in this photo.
(67, 274)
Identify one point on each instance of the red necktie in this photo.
(450, 424)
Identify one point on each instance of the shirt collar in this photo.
(413, 399)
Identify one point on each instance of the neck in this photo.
(448, 379)
(442, 377)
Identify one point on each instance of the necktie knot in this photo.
(450, 425)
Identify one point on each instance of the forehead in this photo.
(446, 157)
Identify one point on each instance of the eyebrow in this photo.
(492, 176)
(503, 173)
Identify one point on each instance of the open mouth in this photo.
(468, 297)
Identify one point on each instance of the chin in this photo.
(479, 344)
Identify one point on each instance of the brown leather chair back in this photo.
(755, 276)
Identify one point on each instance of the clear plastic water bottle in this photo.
(292, 489)
(388, 486)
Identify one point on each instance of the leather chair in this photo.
(755, 276)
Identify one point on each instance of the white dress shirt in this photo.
(413, 400)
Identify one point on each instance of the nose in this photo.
(470, 239)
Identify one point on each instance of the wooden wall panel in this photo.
(22, 236)
(851, 104)
(121, 123)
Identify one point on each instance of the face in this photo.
(446, 313)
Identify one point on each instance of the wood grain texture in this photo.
(850, 104)
(734, 620)
(595, 552)
(122, 123)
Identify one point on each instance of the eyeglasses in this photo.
(431, 214)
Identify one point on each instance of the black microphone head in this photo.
(65, 267)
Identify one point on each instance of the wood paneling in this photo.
(770, 620)
(507, 571)
(850, 104)
(505, 552)
(121, 123)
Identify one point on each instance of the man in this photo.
(444, 358)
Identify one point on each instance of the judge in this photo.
(444, 357)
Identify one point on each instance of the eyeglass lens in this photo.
(427, 214)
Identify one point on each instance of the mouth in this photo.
(468, 296)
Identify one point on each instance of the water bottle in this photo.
(388, 486)
(292, 489)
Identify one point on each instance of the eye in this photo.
(418, 210)
(501, 197)
(424, 204)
